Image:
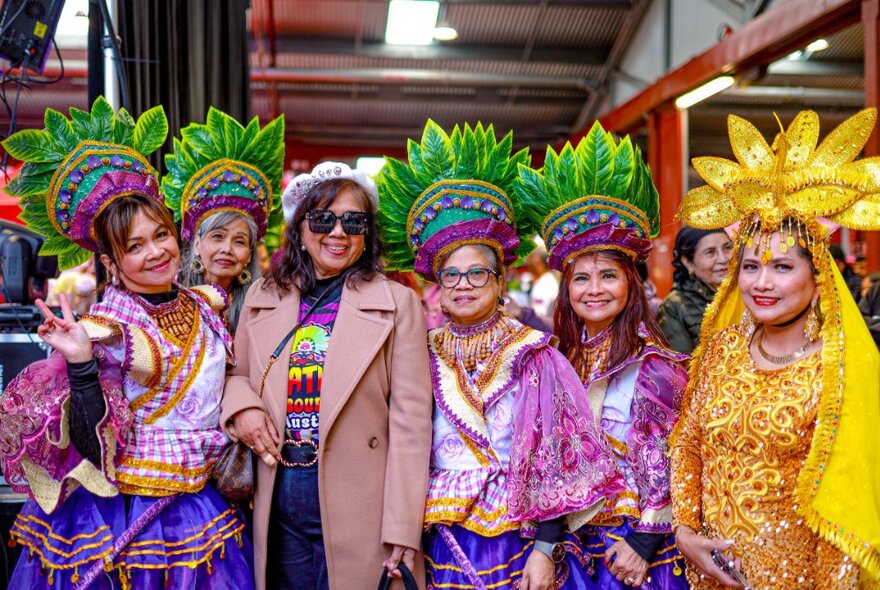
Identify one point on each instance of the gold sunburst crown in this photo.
(792, 179)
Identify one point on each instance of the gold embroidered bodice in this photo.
(746, 435)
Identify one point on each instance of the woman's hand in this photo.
(626, 565)
(64, 334)
(254, 428)
(539, 573)
(698, 550)
(400, 553)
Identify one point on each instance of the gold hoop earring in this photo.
(812, 326)
(197, 267)
(245, 277)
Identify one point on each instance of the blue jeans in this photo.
(296, 558)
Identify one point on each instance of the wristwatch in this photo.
(555, 551)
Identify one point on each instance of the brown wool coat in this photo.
(375, 423)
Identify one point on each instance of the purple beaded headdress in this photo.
(223, 166)
(453, 192)
(76, 167)
(596, 196)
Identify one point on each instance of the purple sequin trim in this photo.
(244, 205)
(109, 187)
(467, 568)
(600, 236)
(477, 231)
(124, 539)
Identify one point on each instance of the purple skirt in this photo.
(195, 542)
(498, 561)
(665, 572)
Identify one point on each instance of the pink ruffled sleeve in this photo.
(560, 462)
(36, 453)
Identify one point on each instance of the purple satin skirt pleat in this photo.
(195, 542)
(499, 561)
(665, 572)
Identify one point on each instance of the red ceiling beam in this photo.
(779, 31)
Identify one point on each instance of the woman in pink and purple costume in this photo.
(597, 208)
(517, 458)
(114, 435)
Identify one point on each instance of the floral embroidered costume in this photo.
(514, 441)
(137, 512)
(593, 197)
(785, 462)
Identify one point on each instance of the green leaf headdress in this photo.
(75, 167)
(223, 166)
(598, 195)
(452, 191)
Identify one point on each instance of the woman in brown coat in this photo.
(347, 493)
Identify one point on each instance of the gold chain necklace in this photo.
(781, 360)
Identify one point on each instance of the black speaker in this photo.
(18, 351)
(26, 30)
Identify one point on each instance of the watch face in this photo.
(558, 552)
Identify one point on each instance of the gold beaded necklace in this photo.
(591, 357)
(176, 318)
(472, 345)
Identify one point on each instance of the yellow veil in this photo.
(838, 489)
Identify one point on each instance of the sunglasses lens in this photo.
(321, 221)
(354, 224)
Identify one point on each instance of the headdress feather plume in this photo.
(562, 196)
(219, 145)
(48, 168)
(467, 154)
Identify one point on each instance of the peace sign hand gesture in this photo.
(64, 334)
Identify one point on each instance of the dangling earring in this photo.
(812, 325)
(245, 277)
(302, 247)
(443, 310)
(747, 324)
(501, 301)
(114, 280)
(197, 266)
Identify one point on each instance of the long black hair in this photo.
(293, 267)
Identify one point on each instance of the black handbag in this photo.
(233, 472)
(409, 582)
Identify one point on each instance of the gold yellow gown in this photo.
(744, 440)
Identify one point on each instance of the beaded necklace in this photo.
(472, 345)
(591, 357)
(175, 318)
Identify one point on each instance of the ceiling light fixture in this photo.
(817, 45)
(703, 92)
(445, 32)
(411, 22)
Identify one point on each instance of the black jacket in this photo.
(870, 308)
(680, 315)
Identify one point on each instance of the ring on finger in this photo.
(629, 581)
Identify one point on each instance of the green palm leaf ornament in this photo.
(75, 166)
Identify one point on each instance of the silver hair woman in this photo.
(222, 253)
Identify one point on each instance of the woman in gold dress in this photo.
(775, 461)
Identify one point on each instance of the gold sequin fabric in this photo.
(792, 177)
(746, 437)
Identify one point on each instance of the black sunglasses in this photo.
(322, 221)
